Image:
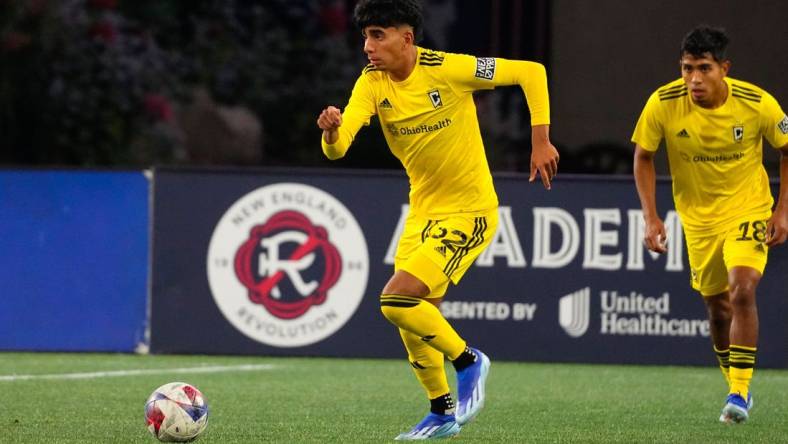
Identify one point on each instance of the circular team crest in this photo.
(288, 265)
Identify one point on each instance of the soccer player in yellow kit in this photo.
(713, 127)
(424, 102)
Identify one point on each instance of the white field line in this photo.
(137, 372)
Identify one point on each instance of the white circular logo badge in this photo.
(288, 265)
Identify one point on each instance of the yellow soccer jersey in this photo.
(430, 124)
(715, 155)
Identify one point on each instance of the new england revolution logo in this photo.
(263, 248)
(288, 265)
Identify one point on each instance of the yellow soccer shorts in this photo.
(741, 244)
(442, 250)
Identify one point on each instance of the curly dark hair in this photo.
(705, 39)
(387, 13)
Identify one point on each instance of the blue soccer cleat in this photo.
(470, 388)
(736, 410)
(433, 426)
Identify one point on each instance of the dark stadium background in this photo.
(114, 83)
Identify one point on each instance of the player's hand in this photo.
(544, 160)
(329, 121)
(656, 237)
(777, 228)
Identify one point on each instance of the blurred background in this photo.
(129, 84)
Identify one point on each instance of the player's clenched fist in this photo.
(329, 121)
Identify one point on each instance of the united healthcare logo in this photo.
(573, 312)
(628, 313)
(287, 265)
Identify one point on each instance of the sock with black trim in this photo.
(442, 405)
(742, 361)
(424, 320)
(465, 360)
(427, 364)
(723, 357)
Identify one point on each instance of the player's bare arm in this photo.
(777, 228)
(655, 236)
(329, 121)
(544, 156)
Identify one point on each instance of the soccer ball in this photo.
(176, 412)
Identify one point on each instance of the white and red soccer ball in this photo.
(176, 412)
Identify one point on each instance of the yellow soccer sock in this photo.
(424, 320)
(723, 358)
(427, 365)
(742, 364)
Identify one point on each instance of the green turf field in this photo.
(298, 400)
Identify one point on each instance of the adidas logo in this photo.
(385, 104)
(683, 133)
(441, 250)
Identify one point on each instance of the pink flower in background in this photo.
(37, 7)
(14, 41)
(104, 30)
(334, 18)
(158, 107)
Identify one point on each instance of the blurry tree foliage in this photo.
(126, 83)
(101, 82)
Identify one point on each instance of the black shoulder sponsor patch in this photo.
(485, 68)
(783, 125)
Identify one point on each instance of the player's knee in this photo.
(403, 282)
(742, 294)
(742, 282)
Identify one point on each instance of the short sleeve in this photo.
(774, 122)
(649, 130)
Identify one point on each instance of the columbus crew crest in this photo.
(288, 265)
(738, 133)
(435, 98)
